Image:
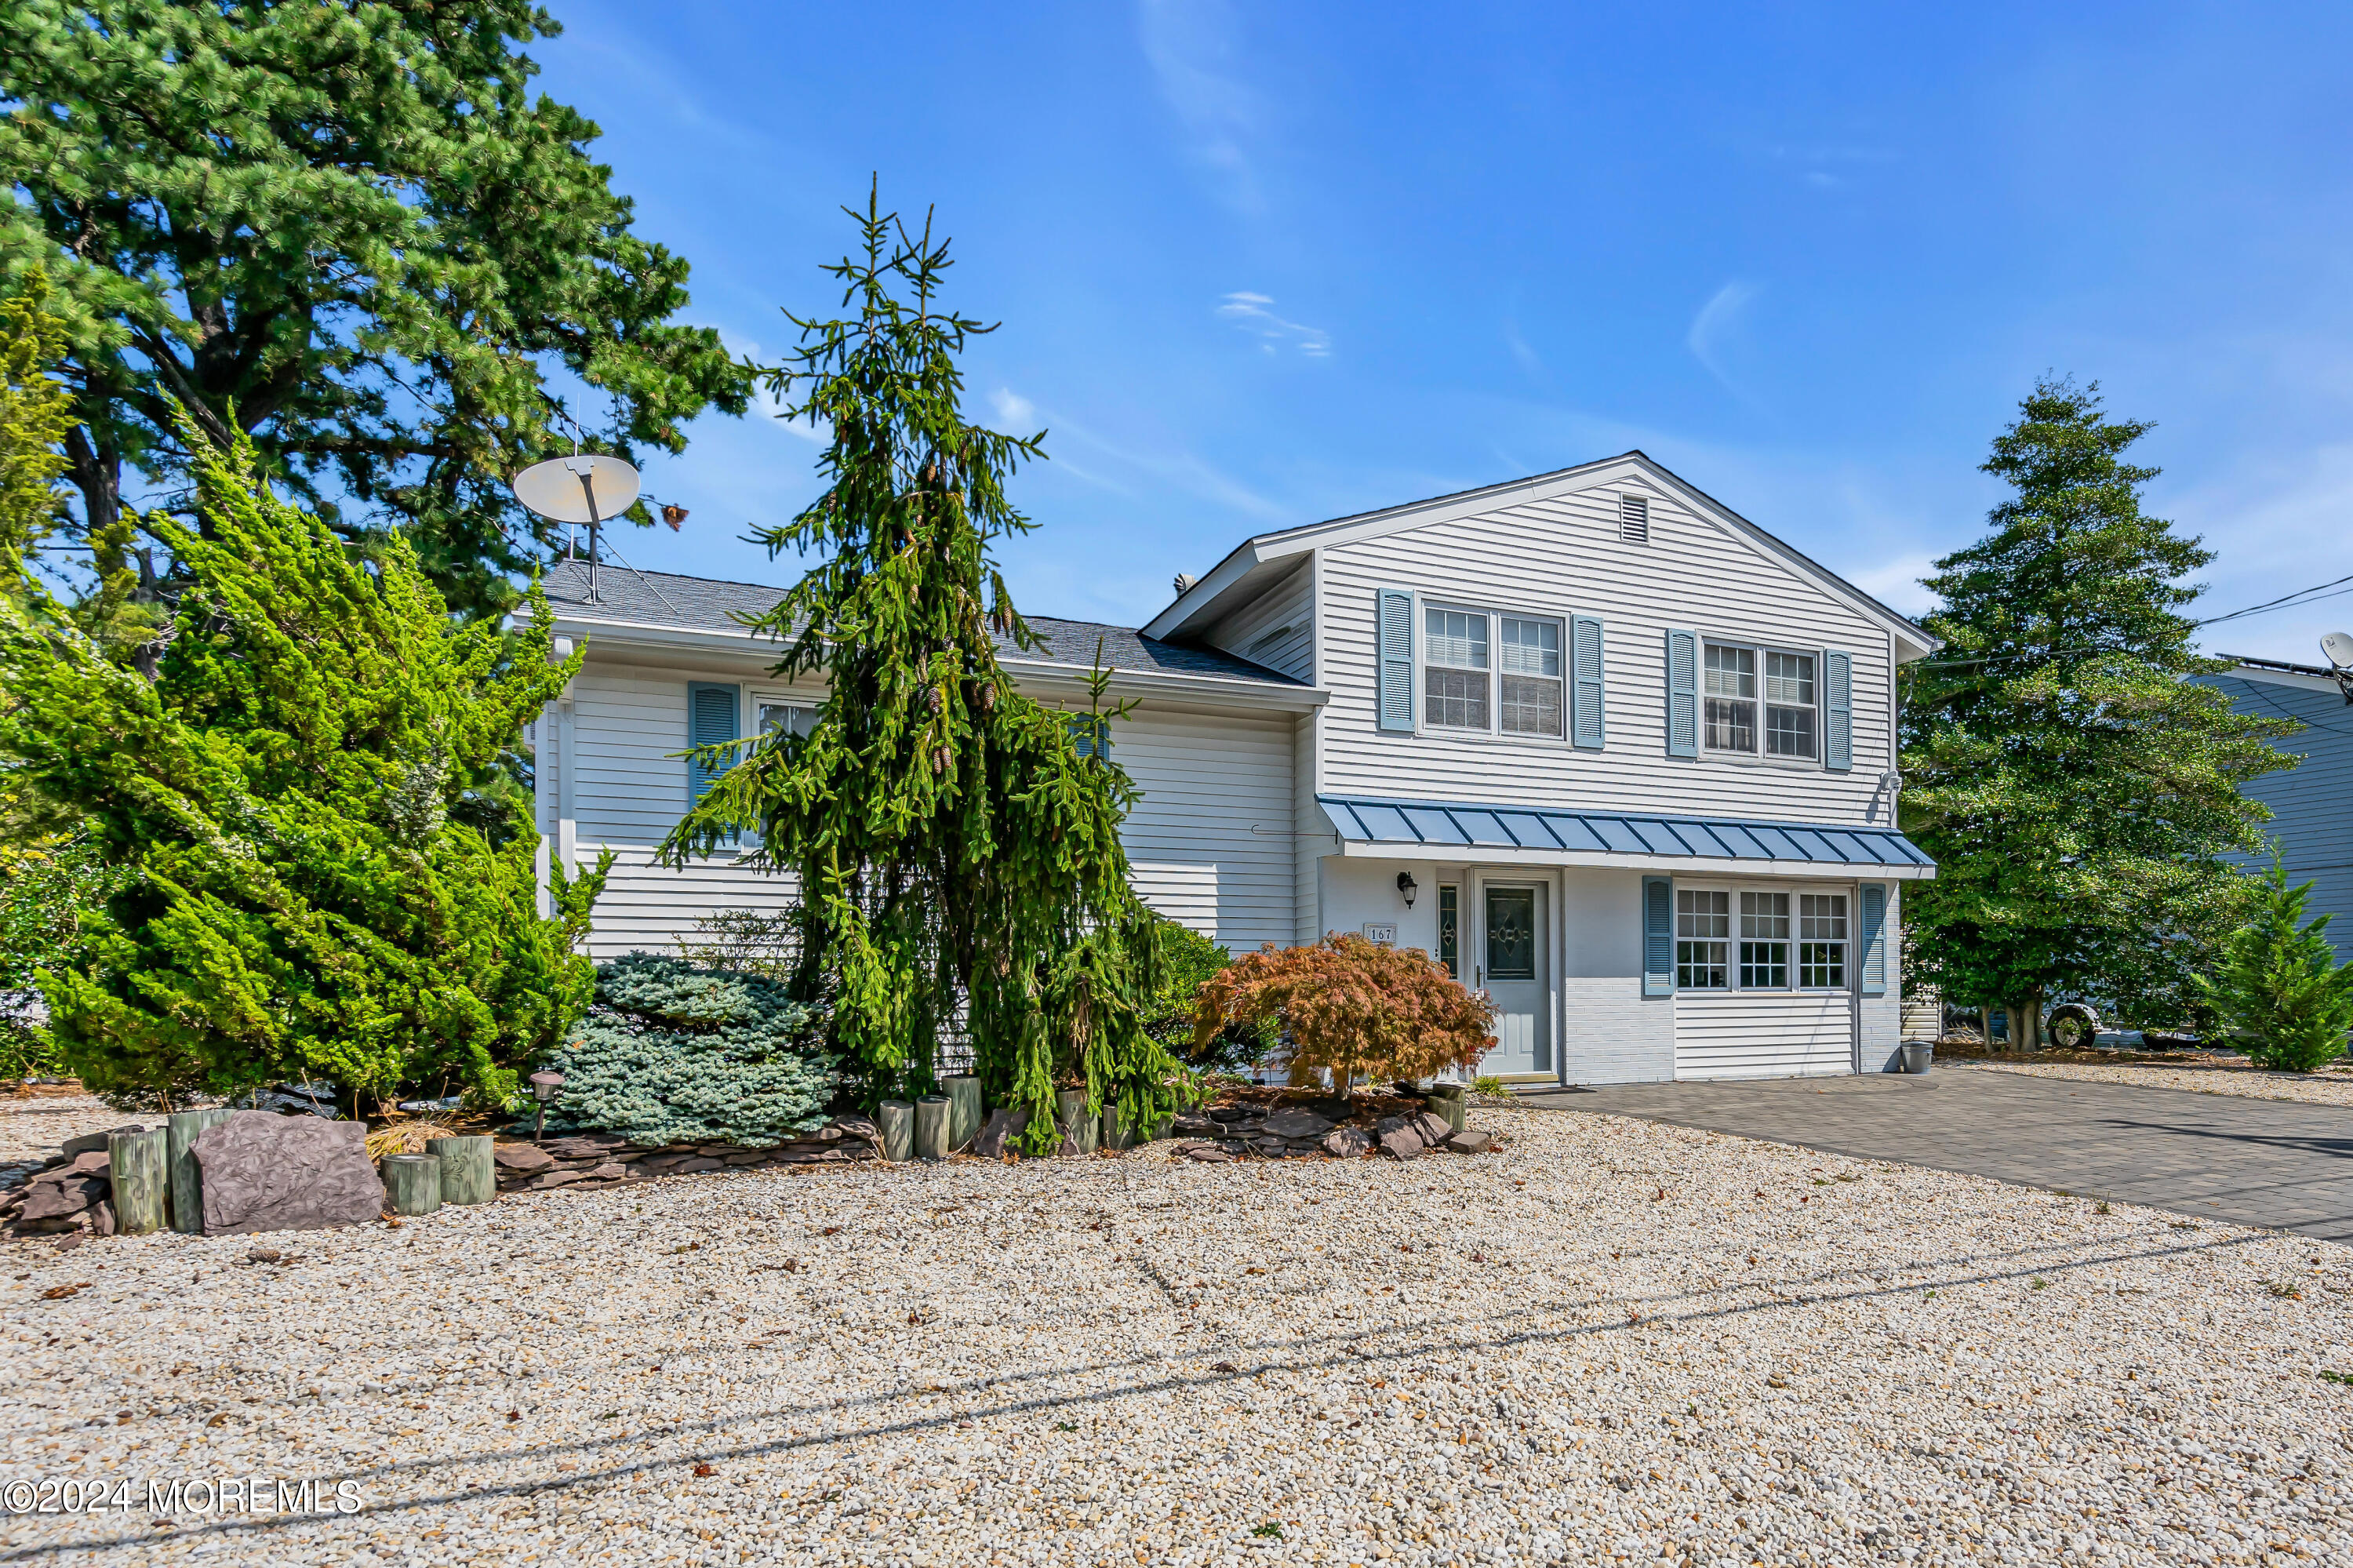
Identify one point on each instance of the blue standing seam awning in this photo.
(1466, 826)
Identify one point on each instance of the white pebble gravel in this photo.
(1609, 1341)
(2329, 1086)
(32, 1126)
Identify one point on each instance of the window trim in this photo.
(1762, 648)
(1563, 622)
(1850, 957)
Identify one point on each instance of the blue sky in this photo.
(1259, 265)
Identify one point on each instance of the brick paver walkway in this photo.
(2257, 1162)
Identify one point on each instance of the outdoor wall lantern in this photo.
(1406, 885)
(544, 1087)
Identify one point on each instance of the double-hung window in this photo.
(786, 718)
(1504, 674)
(1786, 722)
(1702, 940)
(1764, 941)
(1454, 668)
(1711, 954)
(1822, 940)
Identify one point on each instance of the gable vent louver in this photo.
(1634, 519)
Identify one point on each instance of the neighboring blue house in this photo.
(2312, 803)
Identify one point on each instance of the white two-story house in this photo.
(1604, 748)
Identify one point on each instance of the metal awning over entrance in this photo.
(1455, 829)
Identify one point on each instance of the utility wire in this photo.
(2295, 601)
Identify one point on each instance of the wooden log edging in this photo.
(932, 1116)
(964, 1112)
(187, 1177)
(412, 1182)
(468, 1173)
(139, 1168)
(898, 1122)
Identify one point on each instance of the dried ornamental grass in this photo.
(408, 1137)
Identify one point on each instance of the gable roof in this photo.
(667, 601)
(1256, 561)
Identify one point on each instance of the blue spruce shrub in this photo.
(672, 1053)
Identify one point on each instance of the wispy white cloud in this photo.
(1254, 315)
(1717, 322)
(1529, 359)
(1191, 47)
(1015, 412)
(1896, 583)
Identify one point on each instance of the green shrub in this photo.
(670, 1052)
(1183, 961)
(2279, 988)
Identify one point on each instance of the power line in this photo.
(2295, 601)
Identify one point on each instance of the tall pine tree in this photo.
(955, 845)
(2079, 794)
(349, 231)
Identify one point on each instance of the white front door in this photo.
(1512, 949)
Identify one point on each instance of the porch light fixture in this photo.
(544, 1087)
(1406, 885)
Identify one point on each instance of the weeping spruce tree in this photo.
(955, 845)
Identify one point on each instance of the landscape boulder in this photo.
(1002, 1128)
(522, 1159)
(1402, 1143)
(263, 1171)
(1298, 1125)
(1470, 1142)
(1346, 1143)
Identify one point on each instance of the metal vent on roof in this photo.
(1634, 519)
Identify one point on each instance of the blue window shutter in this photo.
(1090, 734)
(1584, 641)
(711, 717)
(1838, 712)
(1874, 939)
(1658, 936)
(1683, 694)
(1396, 639)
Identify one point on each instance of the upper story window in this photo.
(1786, 724)
(1485, 670)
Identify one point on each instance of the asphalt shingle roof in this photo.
(666, 598)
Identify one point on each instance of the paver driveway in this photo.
(2257, 1162)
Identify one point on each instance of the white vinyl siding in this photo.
(1209, 843)
(1565, 552)
(1276, 629)
(1763, 1034)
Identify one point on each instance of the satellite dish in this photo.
(2339, 649)
(584, 488)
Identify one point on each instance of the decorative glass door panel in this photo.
(1512, 947)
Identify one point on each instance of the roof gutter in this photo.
(1038, 676)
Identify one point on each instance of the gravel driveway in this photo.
(1610, 1340)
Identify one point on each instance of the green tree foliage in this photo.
(348, 230)
(2279, 988)
(296, 890)
(1186, 960)
(36, 416)
(2079, 794)
(673, 1053)
(956, 847)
